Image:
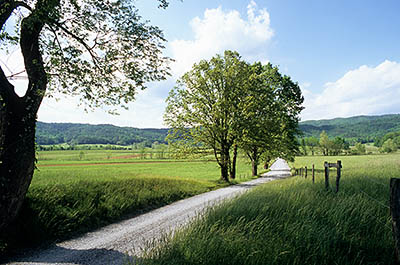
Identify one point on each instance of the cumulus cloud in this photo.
(363, 91)
(220, 30)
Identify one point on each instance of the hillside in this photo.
(358, 127)
(365, 128)
(57, 133)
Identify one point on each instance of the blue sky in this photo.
(345, 55)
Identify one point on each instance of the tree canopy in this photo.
(202, 110)
(227, 103)
(101, 50)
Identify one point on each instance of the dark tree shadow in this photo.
(60, 255)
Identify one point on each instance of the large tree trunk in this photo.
(255, 160)
(224, 172)
(17, 159)
(18, 120)
(254, 171)
(232, 172)
(224, 162)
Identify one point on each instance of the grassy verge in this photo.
(54, 212)
(296, 222)
(66, 200)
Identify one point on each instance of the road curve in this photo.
(116, 243)
(279, 168)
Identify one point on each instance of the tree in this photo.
(99, 49)
(269, 116)
(202, 110)
(324, 143)
(312, 142)
(389, 146)
(337, 145)
(304, 146)
(360, 148)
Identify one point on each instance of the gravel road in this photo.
(116, 243)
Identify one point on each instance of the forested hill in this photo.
(57, 133)
(365, 128)
(358, 127)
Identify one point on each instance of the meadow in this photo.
(294, 221)
(72, 193)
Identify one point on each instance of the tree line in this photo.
(357, 129)
(328, 146)
(388, 143)
(73, 134)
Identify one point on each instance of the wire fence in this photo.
(378, 202)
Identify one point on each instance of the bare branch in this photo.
(15, 75)
(22, 4)
(82, 42)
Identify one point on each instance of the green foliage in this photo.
(293, 221)
(203, 109)
(354, 129)
(395, 136)
(312, 142)
(269, 115)
(225, 103)
(58, 133)
(324, 143)
(389, 146)
(359, 149)
(100, 49)
(332, 147)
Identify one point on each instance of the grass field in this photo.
(293, 221)
(71, 193)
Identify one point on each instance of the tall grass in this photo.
(65, 200)
(293, 221)
(58, 211)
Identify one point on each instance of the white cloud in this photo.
(217, 30)
(145, 112)
(221, 30)
(363, 91)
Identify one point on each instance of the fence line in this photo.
(372, 198)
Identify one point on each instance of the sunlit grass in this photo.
(293, 221)
(70, 195)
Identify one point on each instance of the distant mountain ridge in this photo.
(366, 128)
(358, 128)
(76, 133)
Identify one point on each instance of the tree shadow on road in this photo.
(61, 255)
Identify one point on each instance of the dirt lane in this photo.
(115, 243)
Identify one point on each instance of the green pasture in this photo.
(294, 221)
(63, 167)
(96, 156)
(71, 194)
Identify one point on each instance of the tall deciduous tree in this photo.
(312, 142)
(203, 109)
(324, 143)
(270, 115)
(98, 49)
(225, 103)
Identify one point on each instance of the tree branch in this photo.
(82, 42)
(7, 92)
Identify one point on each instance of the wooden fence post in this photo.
(339, 173)
(395, 212)
(313, 172)
(326, 166)
(305, 169)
